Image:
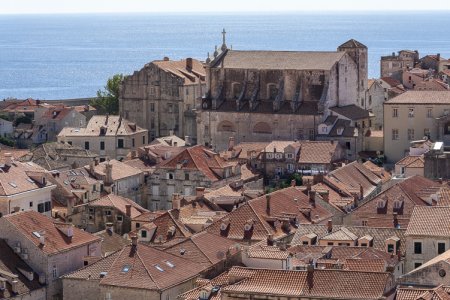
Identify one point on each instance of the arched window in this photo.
(226, 126)
(262, 127)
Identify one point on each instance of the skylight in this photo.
(12, 184)
(126, 268)
(36, 234)
(158, 267)
(170, 264)
(30, 180)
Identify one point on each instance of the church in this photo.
(257, 96)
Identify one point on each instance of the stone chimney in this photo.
(270, 239)
(134, 240)
(108, 173)
(15, 286)
(361, 191)
(231, 143)
(8, 159)
(109, 227)
(293, 182)
(128, 210)
(42, 239)
(176, 201)
(268, 205)
(330, 226)
(166, 58)
(189, 63)
(70, 204)
(438, 56)
(199, 191)
(312, 198)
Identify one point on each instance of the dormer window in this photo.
(340, 130)
(398, 204)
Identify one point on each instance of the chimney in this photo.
(270, 239)
(91, 166)
(268, 205)
(15, 286)
(176, 201)
(330, 226)
(393, 54)
(128, 210)
(171, 132)
(189, 63)
(293, 182)
(231, 143)
(109, 227)
(199, 191)
(361, 191)
(108, 173)
(70, 204)
(166, 58)
(96, 161)
(312, 198)
(8, 159)
(187, 140)
(134, 240)
(438, 56)
(42, 239)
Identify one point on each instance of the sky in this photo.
(180, 6)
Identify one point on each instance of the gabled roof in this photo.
(144, 267)
(119, 203)
(392, 82)
(431, 221)
(419, 293)
(31, 225)
(11, 262)
(352, 112)
(317, 152)
(178, 68)
(280, 60)
(203, 248)
(421, 97)
(343, 234)
(120, 170)
(352, 43)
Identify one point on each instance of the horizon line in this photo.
(314, 11)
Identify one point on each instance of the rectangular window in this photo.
(48, 206)
(55, 272)
(394, 134)
(410, 134)
(69, 142)
(143, 139)
(119, 218)
(186, 176)
(441, 248)
(348, 145)
(152, 107)
(417, 247)
(395, 112)
(31, 203)
(390, 248)
(120, 143)
(429, 112)
(107, 212)
(311, 134)
(138, 225)
(86, 145)
(41, 207)
(170, 107)
(102, 145)
(411, 113)
(426, 132)
(143, 234)
(417, 264)
(132, 142)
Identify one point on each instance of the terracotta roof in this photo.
(379, 171)
(148, 216)
(22, 177)
(94, 270)
(429, 221)
(391, 81)
(206, 284)
(120, 170)
(421, 97)
(373, 265)
(114, 125)
(352, 112)
(278, 146)
(262, 251)
(380, 235)
(319, 283)
(286, 205)
(56, 113)
(32, 224)
(111, 241)
(169, 141)
(280, 60)
(144, 267)
(243, 150)
(198, 158)
(179, 69)
(13, 264)
(317, 152)
(119, 203)
(419, 293)
(205, 249)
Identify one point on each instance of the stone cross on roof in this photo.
(224, 46)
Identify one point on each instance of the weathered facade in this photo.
(162, 96)
(277, 95)
(394, 65)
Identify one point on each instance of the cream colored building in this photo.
(412, 116)
(109, 136)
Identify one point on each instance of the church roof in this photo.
(352, 44)
(281, 60)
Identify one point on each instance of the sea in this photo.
(68, 56)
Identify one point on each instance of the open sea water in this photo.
(72, 56)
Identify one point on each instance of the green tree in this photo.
(107, 101)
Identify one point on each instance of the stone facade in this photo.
(258, 96)
(394, 65)
(376, 95)
(163, 95)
